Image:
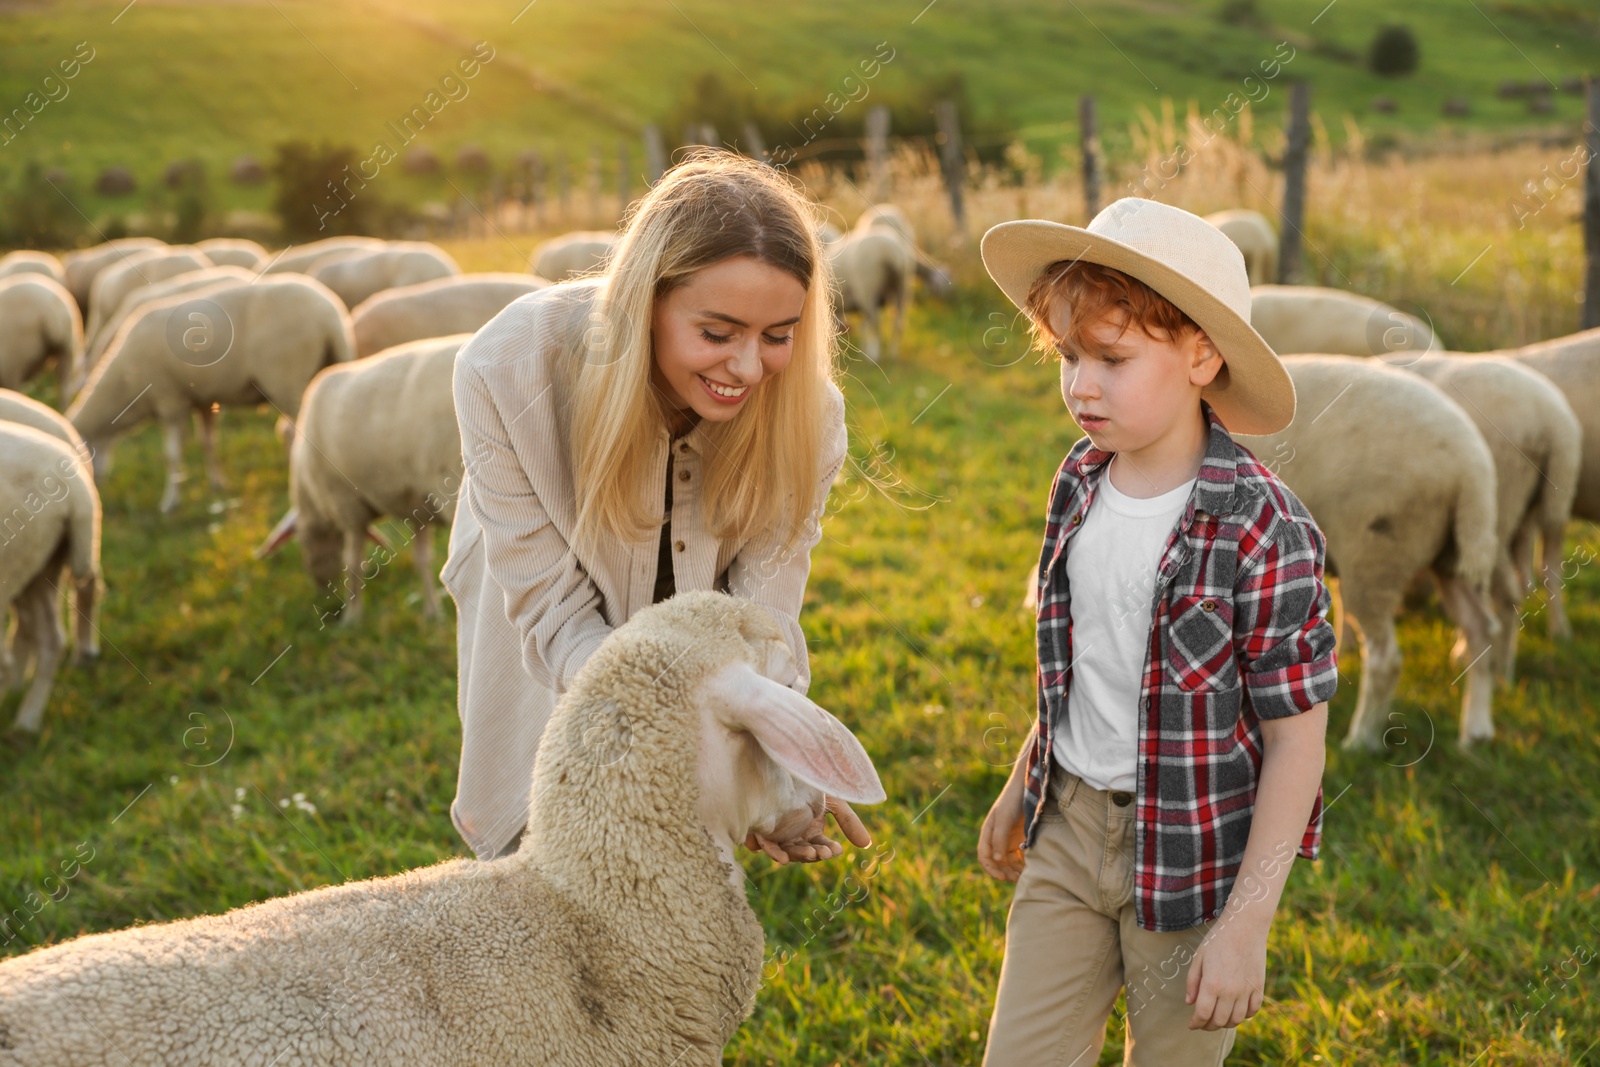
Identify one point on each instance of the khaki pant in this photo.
(1072, 943)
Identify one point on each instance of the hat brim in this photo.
(1252, 394)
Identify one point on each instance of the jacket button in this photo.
(1208, 605)
(683, 476)
(1121, 799)
(683, 446)
(679, 546)
(1077, 518)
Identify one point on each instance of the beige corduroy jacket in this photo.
(530, 611)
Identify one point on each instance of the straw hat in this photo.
(1185, 259)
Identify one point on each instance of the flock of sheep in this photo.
(1414, 460)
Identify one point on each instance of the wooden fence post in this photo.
(655, 154)
(754, 146)
(877, 149)
(1294, 183)
(1089, 138)
(1591, 210)
(954, 165)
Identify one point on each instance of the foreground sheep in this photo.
(375, 437)
(297, 259)
(1400, 482)
(39, 322)
(234, 252)
(49, 524)
(24, 410)
(872, 269)
(231, 343)
(572, 254)
(1252, 234)
(28, 262)
(1537, 444)
(617, 935)
(358, 274)
(84, 265)
(141, 268)
(435, 309)
(187, 281)
(1309, 318)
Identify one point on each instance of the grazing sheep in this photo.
(231, 343)
(297, 259)
(82, 266)
(435, 309)
(618, 934)
(1252, 234)
(141, 268)
(873, 269)
(39, 321)
(23, 409)
(1401, 482)
(234, 252)
(1573, 364)
(375, 437)
(573, 254)
(887, 217)
(357, 275)
(1311, 319)
(185, 282)
(27, 262)
(49, 522)
(1537, 444)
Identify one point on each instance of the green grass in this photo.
(1450, 886)
(173, 80)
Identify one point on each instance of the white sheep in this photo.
(235, 252)
(1537, 444)
(572, 254)
(49, 524)
(230, 343)
(888, 217)
(140, 268)
(185, 282)
(1573, 364)
(357, 275)
(1252, 234)
(618, 934)
(872, 269)
(296, 259)
(1401, 482)
(438, 308)
(25, 261)
(1312, 319)
(375, 437)
(23, 409)
(39, 321)
(84, 264)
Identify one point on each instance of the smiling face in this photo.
(1129, 392)
(722, 333)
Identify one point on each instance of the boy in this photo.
(1174, 768)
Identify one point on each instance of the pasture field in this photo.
(175, 79)
(229, 747)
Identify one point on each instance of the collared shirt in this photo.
(1239, 633)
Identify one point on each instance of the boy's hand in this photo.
(1227, 976)
(814, 844)
(1000, 840)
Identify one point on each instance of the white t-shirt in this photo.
(1111, 569)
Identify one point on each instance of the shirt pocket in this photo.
(465, 534)
(1200, 643)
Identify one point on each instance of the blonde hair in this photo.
(761, 465)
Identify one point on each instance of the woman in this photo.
(585, 407)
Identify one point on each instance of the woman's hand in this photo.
(814, 844)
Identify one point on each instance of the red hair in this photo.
(1092, 291)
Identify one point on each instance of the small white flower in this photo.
(306, 806)
(238, 794)
(173, 779)
(298, 797)
(977, 601)
(284, 803)
(238, 810)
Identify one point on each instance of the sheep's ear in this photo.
(798, 735)
(279, 535)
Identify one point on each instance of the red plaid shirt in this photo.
(1239, 633)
